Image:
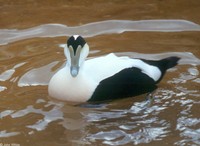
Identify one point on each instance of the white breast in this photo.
(64, 87)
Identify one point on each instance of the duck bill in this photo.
(75, 58)
(74, 69)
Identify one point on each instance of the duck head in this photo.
(76, 52)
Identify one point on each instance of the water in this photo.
(31, 51)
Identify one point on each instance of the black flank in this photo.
(128, 82)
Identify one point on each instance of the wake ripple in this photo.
(97, 28)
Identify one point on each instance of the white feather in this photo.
(63, 86)
(103, 67)
(75, 36)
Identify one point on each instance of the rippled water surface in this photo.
(32, 34)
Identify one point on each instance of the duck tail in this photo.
(164, 64)
(168, 62)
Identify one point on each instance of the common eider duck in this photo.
(104, 78)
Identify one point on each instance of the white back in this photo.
(103, 67)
